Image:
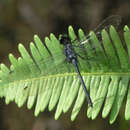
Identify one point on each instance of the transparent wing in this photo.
(114, 20)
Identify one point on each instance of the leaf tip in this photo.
(70, 28)
(126, 28)
(20, 45)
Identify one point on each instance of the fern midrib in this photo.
(75, 74)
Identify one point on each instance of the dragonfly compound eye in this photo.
(64, 39)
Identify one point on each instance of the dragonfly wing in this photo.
(114, 20)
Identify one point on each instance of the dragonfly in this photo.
(72, 56)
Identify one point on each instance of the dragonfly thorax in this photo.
(68, 48)
(70, 53)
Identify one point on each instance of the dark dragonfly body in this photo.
(71, 57)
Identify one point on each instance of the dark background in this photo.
(20, 20)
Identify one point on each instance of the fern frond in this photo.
(51, 81)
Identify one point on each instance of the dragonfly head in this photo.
(64, 39)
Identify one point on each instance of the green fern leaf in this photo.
(39, 78)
